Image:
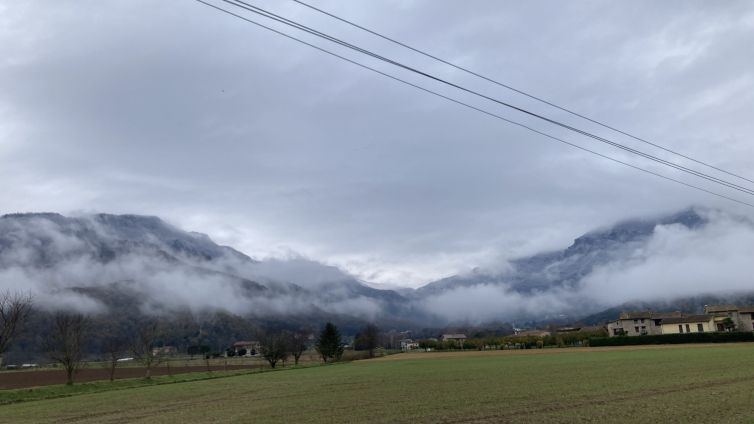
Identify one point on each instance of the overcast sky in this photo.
(174, 109)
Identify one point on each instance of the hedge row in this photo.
(673, 339)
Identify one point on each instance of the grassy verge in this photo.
(58, 391)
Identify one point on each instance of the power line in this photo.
(469, 106)
(257, 10)
(522, 92)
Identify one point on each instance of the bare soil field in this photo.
(45, 377)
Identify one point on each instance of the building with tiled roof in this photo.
(715, 318)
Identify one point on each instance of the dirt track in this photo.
(24, 379)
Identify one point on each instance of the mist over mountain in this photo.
(95, 263)
(83, 262)
(650, 261)
(567, 267)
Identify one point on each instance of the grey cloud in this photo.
(675, 263)
(64, 263)
(175, 110)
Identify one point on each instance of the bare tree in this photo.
(274, 348)
(14, 309)
(296, 345)
(145, 346)
(112, 348)
(368, 339)
(64, 345)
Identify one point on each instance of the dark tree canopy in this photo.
(368, 339)
(728, 324)
(329, 344)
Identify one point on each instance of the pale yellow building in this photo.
(688, 324)
(715, 318)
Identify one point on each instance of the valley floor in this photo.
(703, 383)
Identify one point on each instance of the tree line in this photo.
(565, 339)
(67, 333)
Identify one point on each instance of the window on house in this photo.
(636, 329)
(642, 320)
(688, 329)
(636, 321)
(700, 328)
(680, 328)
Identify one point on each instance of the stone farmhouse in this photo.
(715, 318)
(248, 348)
(458, 338)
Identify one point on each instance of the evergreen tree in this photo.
(329, 344)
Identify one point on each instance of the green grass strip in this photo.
(61, 390)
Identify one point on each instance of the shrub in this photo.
(470, 344)
(673, 339)
(428, 344)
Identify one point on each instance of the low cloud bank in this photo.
(675, 262)
(60, 264)
(52, 263)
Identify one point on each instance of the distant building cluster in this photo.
(715, 318)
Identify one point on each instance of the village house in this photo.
(246, 348)
(641, 323)
(742, 317)
(715, 318)
(409, 344)
(688, 324)
(458, 338)
(164, 351)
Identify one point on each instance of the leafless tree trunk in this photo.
(145, 344)
(112, 347)
(207, 357)
(64, 345)
(14, 309)
(274, 348)
(297, 346)
(369, 338)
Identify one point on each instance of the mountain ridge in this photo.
(571, 264)
(83, 258)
